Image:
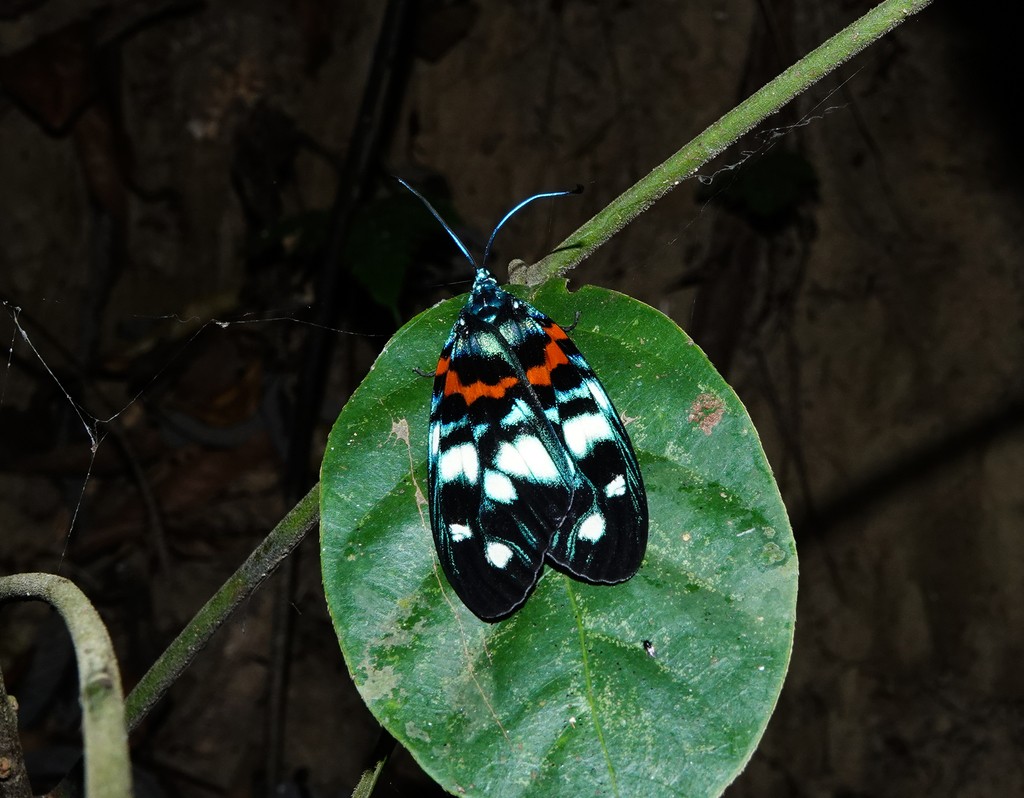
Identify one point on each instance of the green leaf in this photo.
(563, 698)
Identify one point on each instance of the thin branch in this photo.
(752, 111)
(281, 541)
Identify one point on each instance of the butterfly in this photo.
(528, 461)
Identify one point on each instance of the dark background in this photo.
(859, 282)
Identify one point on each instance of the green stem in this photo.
(281, 541)
(685, 163)
(107, 767)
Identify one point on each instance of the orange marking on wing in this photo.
(553, 357)
(475, 390)
(555, 332)
(442, 367)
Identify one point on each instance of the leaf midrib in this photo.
(585, 659)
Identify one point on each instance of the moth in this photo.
(528, 461)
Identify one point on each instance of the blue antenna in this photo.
(444, 224)
(505, 218)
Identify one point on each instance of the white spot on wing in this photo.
(459, 462)
(600, 396)
(460, 532)
(517, 415)
(576, 392)
(592, 528)
(499, 488)
(617, 487)
(582, 432)
(527, 457)
(498, 554)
